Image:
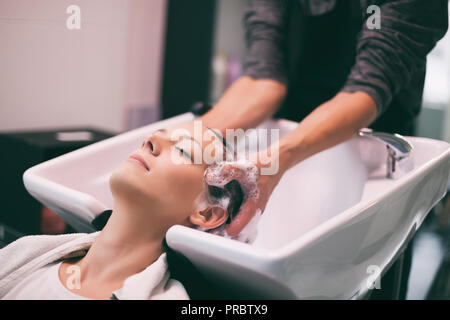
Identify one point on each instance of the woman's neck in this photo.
(128, 244)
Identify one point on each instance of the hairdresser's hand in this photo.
(265, 185)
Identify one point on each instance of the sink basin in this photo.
(332, 220)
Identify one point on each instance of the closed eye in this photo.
(186, 146)
(184, 153)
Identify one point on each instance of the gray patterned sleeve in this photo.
(265, 35)
(388, 57)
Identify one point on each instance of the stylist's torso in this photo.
(318, 40)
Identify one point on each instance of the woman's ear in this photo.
(209, 218)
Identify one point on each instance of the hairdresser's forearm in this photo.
(246, 104)
(329, 124)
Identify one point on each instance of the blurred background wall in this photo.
(229, 45)
(52, 76)
(434, 119)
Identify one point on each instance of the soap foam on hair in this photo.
(248, 177)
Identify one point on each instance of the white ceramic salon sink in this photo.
(333, 222)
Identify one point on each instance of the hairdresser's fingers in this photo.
(266, 185)
(248, 210)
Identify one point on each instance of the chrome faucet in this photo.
(399, 160)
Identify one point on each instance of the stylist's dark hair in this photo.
(180, 268)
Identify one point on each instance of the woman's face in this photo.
(161, 177)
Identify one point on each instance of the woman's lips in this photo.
(137, 158)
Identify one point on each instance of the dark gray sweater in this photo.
(321, 47)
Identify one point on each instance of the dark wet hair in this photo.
(231, 190)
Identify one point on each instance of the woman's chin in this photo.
(121, 182)
(126, 185)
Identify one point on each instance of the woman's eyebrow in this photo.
(162, 130)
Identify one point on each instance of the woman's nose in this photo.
(152, 144)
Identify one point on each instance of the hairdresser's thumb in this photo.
(248, 210)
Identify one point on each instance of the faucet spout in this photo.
(399, 160)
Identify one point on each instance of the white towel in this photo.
(27, 254)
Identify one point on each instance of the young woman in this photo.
(126, 260)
